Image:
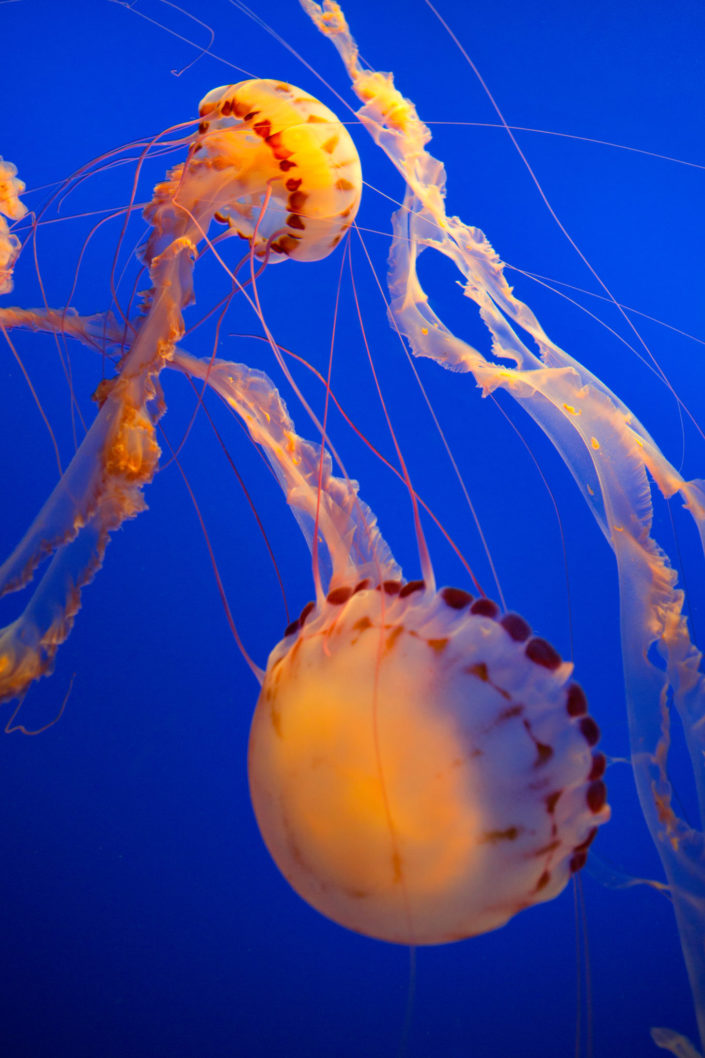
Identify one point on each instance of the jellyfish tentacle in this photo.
(348, 528)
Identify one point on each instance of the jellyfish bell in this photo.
(422, 768)
(270, 127)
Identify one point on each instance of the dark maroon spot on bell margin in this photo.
(339, 595)
(590, 730)
(293, 627)
(551, 800)
(412, 586)
(599, 763)
(596, 795)
(361, 585)
(542, 653)
(543, 881)
(305, 612)
(576, 702)
(516, 627)
(391, 587)
(456, 598)
(484, 608)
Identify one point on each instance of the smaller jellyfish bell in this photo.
(277, 135)
(421, 767)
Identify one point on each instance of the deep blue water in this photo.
(141, 914)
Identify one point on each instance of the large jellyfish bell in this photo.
(421, 767)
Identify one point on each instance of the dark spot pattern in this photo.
(599, 763)
(576, 702)
(297, 201)
(410, 587)
(456, 598)
(590, 730)
(542, 653)
(596, 795)
(516, 627)
(340, 595)
(485, 608)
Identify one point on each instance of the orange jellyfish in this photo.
(450, 750)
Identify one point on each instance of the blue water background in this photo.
(141, 914)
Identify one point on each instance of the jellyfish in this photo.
(99, 335)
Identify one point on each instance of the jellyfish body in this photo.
(281, 134)
(420, 769)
